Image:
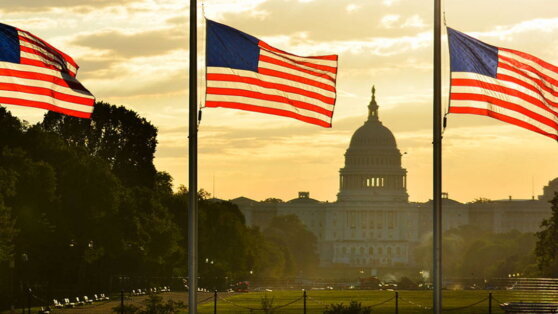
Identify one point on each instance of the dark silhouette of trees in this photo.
(115, 134)
(470, 252)
(547, 242)
(298, 244)
(84, 210)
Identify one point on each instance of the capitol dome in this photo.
(373, 135)
(373, 163)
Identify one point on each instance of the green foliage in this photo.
(273, 200)
(126, 309)
(353, 308)
(115, 134)
(155, 305)
(8, 232)
(83, 201)
(297, 242)
(547, 242)
(267, 304)
(470, 252)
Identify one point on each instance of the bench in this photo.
(79, 302)
(57, 304)
(529, 307)
(87, 300)
(68, 304)
(44, 310)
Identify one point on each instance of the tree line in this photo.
(473, 253)
(84, 209)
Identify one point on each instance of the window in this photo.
(398, 251)
(389, 251)
(380, 251)
(344, 250)
(371, 251)
(361, 250)
(353, 250)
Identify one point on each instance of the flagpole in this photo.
(193, 163)
(437, 163)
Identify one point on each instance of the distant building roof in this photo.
(243, 201)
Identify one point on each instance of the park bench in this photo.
(57, 304)
(44, 310)
(79, 302)
(529, 307)
(67, 303)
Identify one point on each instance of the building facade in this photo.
(372, 224)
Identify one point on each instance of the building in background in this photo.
(372, 224)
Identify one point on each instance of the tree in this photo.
(470, 252)
(299, 243)
(8, 233)
(117, 135)
(547, 242)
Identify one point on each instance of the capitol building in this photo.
(372, 224)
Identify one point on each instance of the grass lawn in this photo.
(409, 301)
(381, 301)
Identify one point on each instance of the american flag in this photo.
(35, 74)
(246, 73)
(505, 84)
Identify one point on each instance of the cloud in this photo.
(98, 68)
(147, 43)
(47, 5)
(389, 20)
(354, 20)
(132, 86)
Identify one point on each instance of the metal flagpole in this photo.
(437, 156)
(193, 163)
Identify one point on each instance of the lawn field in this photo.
(409, 301)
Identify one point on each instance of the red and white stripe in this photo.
(44, 78)
(524, 92)
(285, 84)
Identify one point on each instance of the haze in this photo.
(135, 53)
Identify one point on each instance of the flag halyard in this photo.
(246, 73)
(505, 84)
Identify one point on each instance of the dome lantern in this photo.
(373, 106)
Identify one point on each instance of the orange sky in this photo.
(134, 53)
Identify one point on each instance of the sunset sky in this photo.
(135, 53)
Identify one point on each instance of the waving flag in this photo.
(35, 74)
(505, 84)
(245, 73)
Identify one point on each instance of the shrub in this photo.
(267, 304)
(353, 308)
(155, 305)
(126, 309)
